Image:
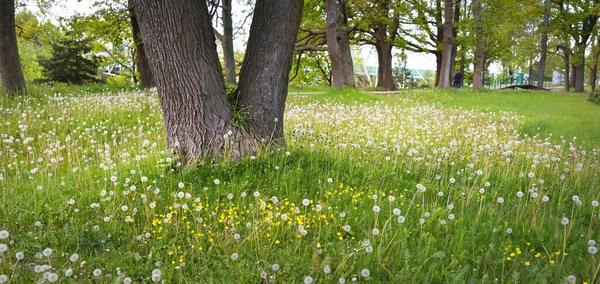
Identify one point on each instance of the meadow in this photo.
(418, 187)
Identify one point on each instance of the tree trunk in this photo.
(228, 54)
(454, 34)
(141, 60)
(479, 53)
(343, 38)
(438, 66)
(264, 76)
(10, 65)
(337, 75)
(448, 42)
(566, 59)
(594, 69)
(544, 45)
(579, 66)
(181, 47)
(384, 72)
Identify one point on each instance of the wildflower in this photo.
(234, 256)
(19, 255)
(443, 222)
(263, 275)
(396, 211)
(230, 196)
(369, 249)
(74, 257)
(305, 202)
(531, 175)
(256, 194)
(127, 280)
(509, 230)
(592, 250)
(421, 221)
(452, 180)
(451, 217)
(4, 234)
(342, 280)
(327, 269)
(347, 228)
(275, 267)
(527, 263)
(591, 243)
(365, 273)
(318, 207)
(595, 203)
(375, 231)
(308, 280)
(440, 194)
(572, 279)
(575, 198)
(124, 208)
(545, 198)
(217, 181)
(329, 180)
(284, 217)
(97, 272)
(3, 248)
(237, 236)
(564, 221)
(47, 252)
(52, 277)
(519, 194)
(421, 187)
(3, 278)
(155, 278)
(391, 198)
(376, 209)
(500, 200)
(401, 219)
(180, 194)
(69, 272)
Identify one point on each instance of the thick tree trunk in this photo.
(181, 47)
(579, 67)
(337, 75)
(479, 45)
(141, 60)
(228, 54)
(384, 72)
(438, 66)
(454, 34)
(448, 43)
(343, 38)
(10, 66)
(544, 46)
(264, 76)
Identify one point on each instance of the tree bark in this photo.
(228, 53)
(264, 76)
(448, 43)
(11, 72)
(579, 66)
(141, 60)
(183, 55)
(566, 59)
(343, 38)
(337, 75)
(544, 45)
(479, 45)
(594, 69)
(454, 34)
(384, 72)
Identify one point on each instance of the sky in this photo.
(67, 8)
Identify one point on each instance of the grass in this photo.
(431, 187)
(557, 114)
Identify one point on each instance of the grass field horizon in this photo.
(433, 186)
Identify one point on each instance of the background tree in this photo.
(10, 66)
(448, 45)
(71, 61)
(379, 27)
(198, 116)
(333, 49)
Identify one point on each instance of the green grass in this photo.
(557, 114)
(432, 186)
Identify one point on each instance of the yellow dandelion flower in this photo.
(508, 258)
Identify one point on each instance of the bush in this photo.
(595, 97)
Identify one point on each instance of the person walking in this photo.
(457, 81)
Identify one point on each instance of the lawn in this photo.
(428, 186)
